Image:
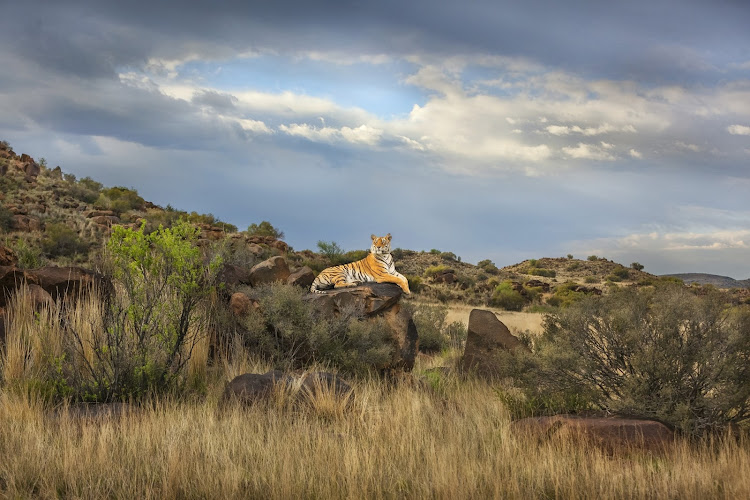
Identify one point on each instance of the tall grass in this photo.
(388, 442)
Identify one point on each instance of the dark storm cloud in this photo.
(653, 41)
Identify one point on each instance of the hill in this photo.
(50, 217)
(711, 279)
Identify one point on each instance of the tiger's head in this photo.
(381, 244)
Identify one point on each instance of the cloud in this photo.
(738, 130)
(363, 135)
(589, 152)
(635, 154)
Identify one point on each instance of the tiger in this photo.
(377, 266)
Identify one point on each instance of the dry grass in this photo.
(517, 322)
(449, 438)
(402, 441)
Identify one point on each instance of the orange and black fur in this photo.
(377, 266)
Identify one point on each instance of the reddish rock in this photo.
(7, 256)
(255, 249)
(613, 434)
(11, 278)
(26, 223)
(39, 297)
(241, 304)
(269, 271)
(447, 276)
(303, 277)
(487, 341)
(105, 220)
(32, 170)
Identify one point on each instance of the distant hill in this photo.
(711, 279)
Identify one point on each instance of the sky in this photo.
(492, 129)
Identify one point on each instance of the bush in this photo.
(507, 298)
(535, 271)
(120, 199)
(592, 258)
(292, 334)
(430, 322)
(450, 257)
(488, 266)
(332, 251)
(433, 271)
(637, 266)
(265, 229)
(128, 341)
(415, 283)
(353, 256)
(435, 251)
(573, 266)
(591, 279)
(6, 219)
(61, 241)
(661, 353)
(29, 256)
(570, 256)
(565, 295)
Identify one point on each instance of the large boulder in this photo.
(487, 340)
(254, 387)
(11, 278)
(7, 256)
(61, 282)
(612, 434)
(304, 277)
(269, 271)
(232, 275)
(373, 301)
(27, 223)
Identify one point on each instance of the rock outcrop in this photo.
(7, 257)
(487, 339)
(303, 277)
(241, 304)
(252, 388)
(612, 434)
(375, 300)
(269, 271)
(61, 282)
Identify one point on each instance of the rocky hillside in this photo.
(711, 279)
(48, 217)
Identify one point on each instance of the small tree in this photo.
(331, 250)
(265, 229)
(637, 266)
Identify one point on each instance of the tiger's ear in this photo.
(388, 236)
(373, 237)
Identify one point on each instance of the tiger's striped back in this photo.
(378, 266)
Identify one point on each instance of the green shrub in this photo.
(507, 298)
(637, 266)
(6, 219)
(450, 257)
(435, 251)
(119, 199)
(661, 353)
(415, 283)
(671, 279)
(591, 279)
(573, 266)
(61, 241)
(570, 256)
(292, 334)
(430, 322)
(265, 229)
(566, 295)
(488, 266)
(621, 272)
(535, 271)
(29, 256)
(331, 251)
(353, 256)
(592, 258)
(433, 271)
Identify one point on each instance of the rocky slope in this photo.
(711, 279)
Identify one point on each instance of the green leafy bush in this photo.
(29, 256)
(120, 199)
(592, 258)
(331, 251)
(433, 271)
(450, 257)
(430, 322)
(265, 229)
(435, 251)
(507, 298)
(488, 266)
(6, 219)
(566, 295)
(661, 353)
(61, 241)
(536, 271)
(637, 266)
(415, 283)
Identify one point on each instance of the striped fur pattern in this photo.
(377, 266)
